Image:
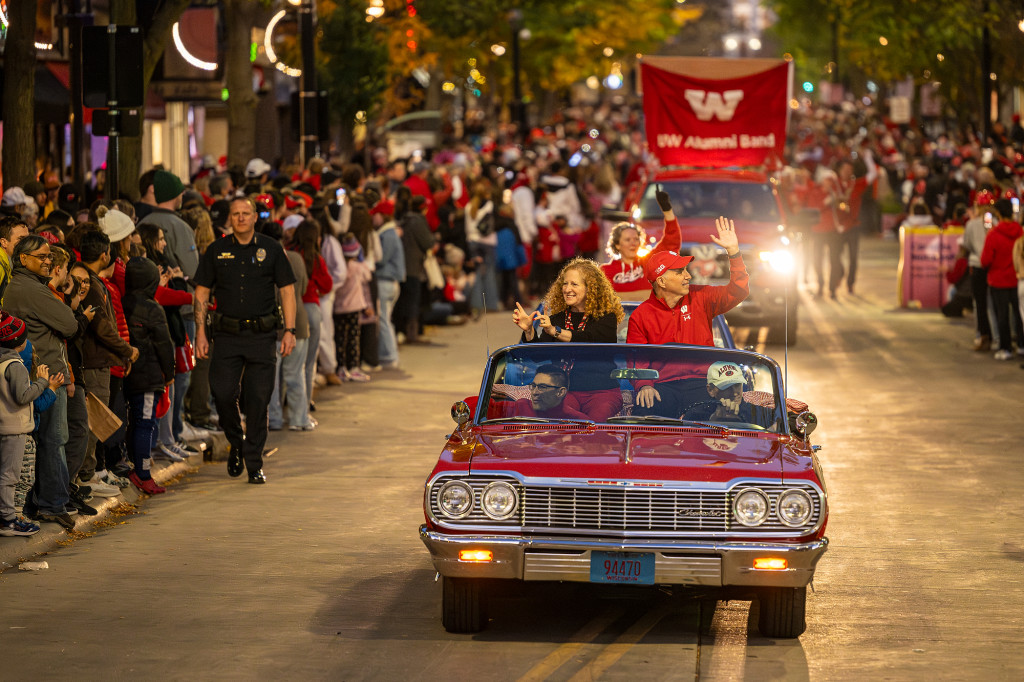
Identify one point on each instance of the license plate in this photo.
(634, 568)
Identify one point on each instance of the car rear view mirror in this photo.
(632, 373)
(461, 413)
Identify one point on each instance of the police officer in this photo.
(244, 270)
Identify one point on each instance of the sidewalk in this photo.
(15, 550)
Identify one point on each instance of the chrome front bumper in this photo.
(676, 563)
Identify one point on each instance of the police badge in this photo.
(261, 254)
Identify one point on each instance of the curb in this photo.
(15, 550)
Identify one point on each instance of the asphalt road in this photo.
(320, 574)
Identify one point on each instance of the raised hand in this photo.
(523, 319)
(56, 380)
(664, 202)
(726, 235)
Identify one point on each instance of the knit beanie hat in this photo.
(12, 330)
(166, 186)
(116, 225)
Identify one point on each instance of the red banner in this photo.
(734, 115)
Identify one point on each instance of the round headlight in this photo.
(795, 507)
(751, 507)
(499, 500)
(455, 499)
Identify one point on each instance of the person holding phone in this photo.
(580, 307)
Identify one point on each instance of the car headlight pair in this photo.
(751, 507)
(499, 500)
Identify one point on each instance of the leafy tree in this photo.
(567, 40)
(354, 63)
(19, 94)
(888, 41)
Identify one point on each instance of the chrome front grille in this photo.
(639, 509)
(624, 509)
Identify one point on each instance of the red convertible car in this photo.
(629, 465)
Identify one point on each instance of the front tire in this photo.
(463, 605)
(782, 611)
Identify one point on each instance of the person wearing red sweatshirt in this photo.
(676, 312)
(625, 270)
(997, 256)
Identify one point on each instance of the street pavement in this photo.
(320, 573)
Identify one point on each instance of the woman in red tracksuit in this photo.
(625, 270)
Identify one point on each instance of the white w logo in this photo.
(707, 105)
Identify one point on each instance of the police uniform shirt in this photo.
(244, 277)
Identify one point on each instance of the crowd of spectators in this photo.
(384, 248)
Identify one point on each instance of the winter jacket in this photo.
(49, 320)
(320, 282)
(330, 249)
(997, 254)
(147, 327)
(417, 240)
(391, 265)
(351, 297)
(17, 391)
(102, 345)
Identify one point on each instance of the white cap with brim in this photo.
(725, 374)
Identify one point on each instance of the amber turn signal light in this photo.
(770, 564)
(476, 555)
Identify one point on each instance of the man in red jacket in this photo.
(676, 312)
(997, 256)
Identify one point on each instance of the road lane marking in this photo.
(620, 647)
(559, 656)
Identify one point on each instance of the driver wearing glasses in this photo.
(548, 389)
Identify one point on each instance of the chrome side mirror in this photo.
(805, 423)
(460, 413)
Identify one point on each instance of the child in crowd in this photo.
(41, 404)
(152, 371)
(349, 300)
(17, 391)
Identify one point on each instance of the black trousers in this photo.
(244, 365)
(1007, 307)
(829, 241)
(848, 241)
(979, 287)
(676, 397)
(78, 432)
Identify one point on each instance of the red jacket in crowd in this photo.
(997, 254)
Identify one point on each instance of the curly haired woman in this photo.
(625, 269)
(580, 307)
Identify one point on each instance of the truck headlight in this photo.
(780, 260)
(455, 499)
(751, 507)
(795, 508)
(499, 500)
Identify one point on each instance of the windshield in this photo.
(706, 199)
(574, 383)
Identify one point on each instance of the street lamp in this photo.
(517, 111)
(309, 138)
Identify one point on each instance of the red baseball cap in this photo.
(658, 263)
